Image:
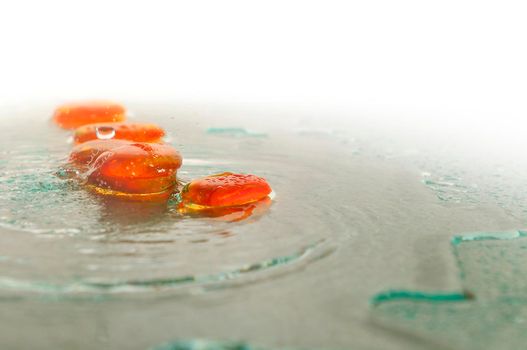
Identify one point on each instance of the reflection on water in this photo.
(230, 214)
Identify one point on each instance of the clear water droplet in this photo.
(105, 132)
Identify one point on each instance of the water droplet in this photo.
(105, 132)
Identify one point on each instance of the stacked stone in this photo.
(130, 160)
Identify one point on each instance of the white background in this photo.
(447, 59)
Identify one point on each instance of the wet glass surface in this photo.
(489, 310)
(358, 209)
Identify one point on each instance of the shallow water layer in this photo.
(95, 244)
(356, 211)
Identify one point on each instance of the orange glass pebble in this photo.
(86, 153)
(138, 132)
(136, 170)
(224, 190)
(71, 116)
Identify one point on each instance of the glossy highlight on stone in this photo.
(86, 153)
(136, 170)
(138, 132)
(74, 115)
(224, 190)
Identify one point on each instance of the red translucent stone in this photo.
(225, 190)
(71, 116)
(136, 170)
(138, 132)
(87, 152)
